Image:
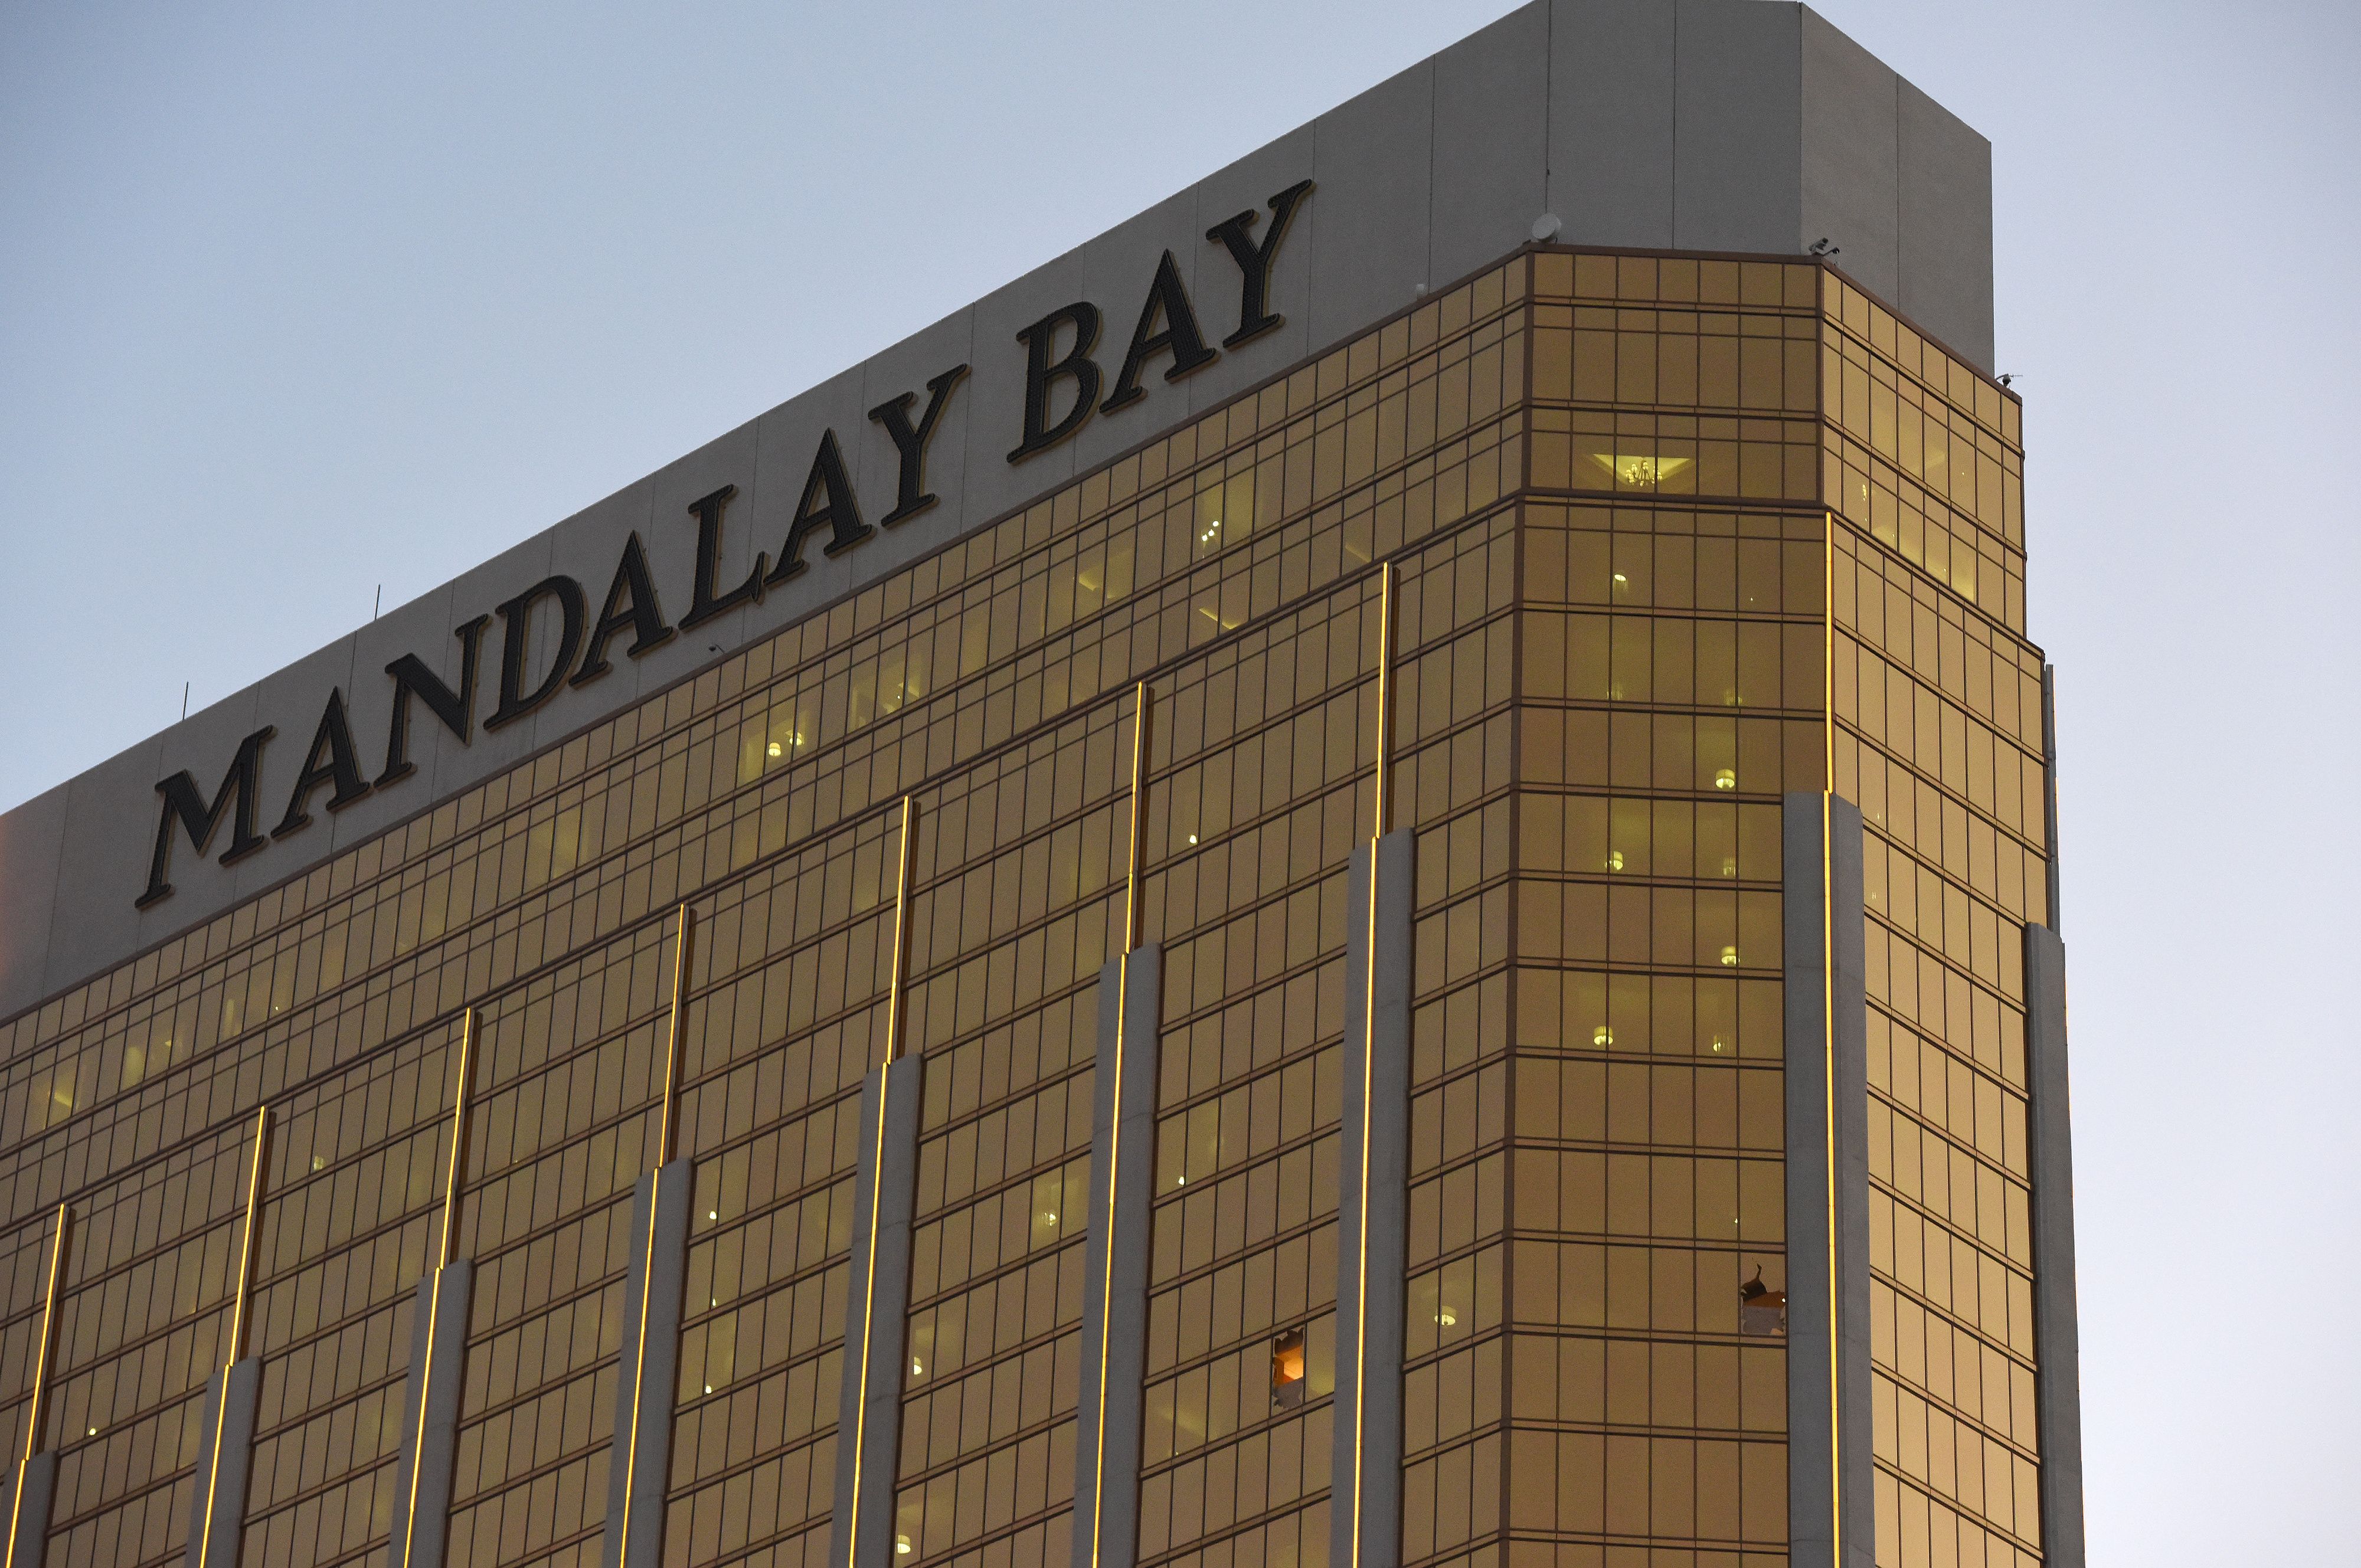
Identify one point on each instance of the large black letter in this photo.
(703, 606)
(516, 625)
(340, 767)
(643, 616)
(911, 444)
(1255, 316)
(1040, 370)
(456, 709)
(838, 511)
(185, 806)
(1167, 299)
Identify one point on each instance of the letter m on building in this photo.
(186, 809)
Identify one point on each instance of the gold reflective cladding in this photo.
(1604, 486)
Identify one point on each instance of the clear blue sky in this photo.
(297, 301)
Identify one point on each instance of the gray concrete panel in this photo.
(1737, 156)
(1828, 1434)
(1118, 269)
(1638, 123)
(1610, 121)
(29, 1511)
(224, 1451)
(2049, 784)
(1373, 159)
(1372, 1238)
(1491, 143)
(439, 1361)
(876, 1310)
(1852, 165)
(32, 843)
(647, 1373)
(1114, 1306)
(2057, 1339)
(907, 366)
(589, 545)
(1251, 184)
(1947, 227)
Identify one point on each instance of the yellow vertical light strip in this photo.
(901, 929)
(237, 1326)
(1115, 1131)
(40, 1379)
(1141, 698)
(877, 1144)
(1369, 1046)
(435, 1290)
(666, 1115)
(458, 1136)
(639, 1357)
(672, 1043)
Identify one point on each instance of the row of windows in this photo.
(1672, 1385)
(1705, 663)
(1671, 754)
(1655, 1196)
(1913, 623)
(1656, 557)
(1939, 448)
(1984, 1478)
(1937, 1359)
(1970, 1090)
(1673, 1488)
(1676, 454)
(1716, 359)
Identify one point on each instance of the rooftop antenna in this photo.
(184, 701)
(379, 603)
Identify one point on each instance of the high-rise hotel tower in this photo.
(1365, 875)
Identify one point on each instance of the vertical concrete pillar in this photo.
(225, 1450)
(1114, 1311)
(2057, 1341)
(647, 1374)
(438, 1347)
(29, 1511)
(1830, 1520)
(2050, 781)
(876, 1310)
(1365, 1504)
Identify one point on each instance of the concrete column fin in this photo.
(2057, 1340)
(648, 1372)
(1114, 1307)
(28, 1511)
(1828, 1436)
(1373, 1195)
(2049, 786)
(876, 1311)
(224, 1451)
(438, 1358)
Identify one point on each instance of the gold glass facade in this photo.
(1606, 485)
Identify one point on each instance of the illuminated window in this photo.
(1762, 1311)
(1287, 1370)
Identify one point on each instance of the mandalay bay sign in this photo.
(1064, 387)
